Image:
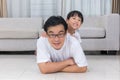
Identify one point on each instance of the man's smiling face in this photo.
(56, 36)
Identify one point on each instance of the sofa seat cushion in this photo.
(18, 33)
(92, 32)
(20, 27)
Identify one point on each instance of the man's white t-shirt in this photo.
(70, 49)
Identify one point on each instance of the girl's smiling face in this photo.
(74, 22)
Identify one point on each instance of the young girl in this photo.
(74, 21)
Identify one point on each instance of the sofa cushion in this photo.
(20, 27)
(92, 32)
(93, 27)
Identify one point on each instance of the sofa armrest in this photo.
(112, 29)
(112, 25)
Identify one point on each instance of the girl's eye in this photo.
(73, 17)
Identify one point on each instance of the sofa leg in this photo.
(104, 52)
(112, 52)
(108, 52)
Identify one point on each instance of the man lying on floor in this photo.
(59, 51)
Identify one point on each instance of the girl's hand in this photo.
(43, 34)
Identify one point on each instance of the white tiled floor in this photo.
(24, 67)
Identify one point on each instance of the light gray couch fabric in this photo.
(101, 33)
(19, 34)
(97, 33)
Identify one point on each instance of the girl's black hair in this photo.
(75, 12)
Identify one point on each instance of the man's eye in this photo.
(52, 35)
(61, 34)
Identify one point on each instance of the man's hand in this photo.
(50, 67)
(72, 67)
(70, 61)
(65, 66)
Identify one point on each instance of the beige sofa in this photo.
(19, 34)
(101, 33)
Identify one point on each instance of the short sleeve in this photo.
(77, 36)
(78, 54)
(42, 52)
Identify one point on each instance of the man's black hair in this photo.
(74, 13)
(53, 21)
